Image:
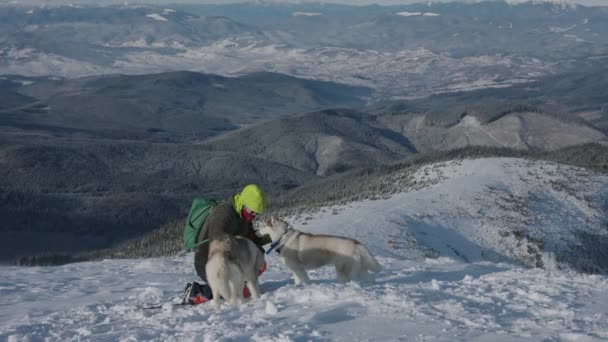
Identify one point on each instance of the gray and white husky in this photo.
(233, 260)
(304, 251)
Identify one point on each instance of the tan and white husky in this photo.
(233, 260)
(304, 251)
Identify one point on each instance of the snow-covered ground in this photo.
(436, 299)
(477, 289)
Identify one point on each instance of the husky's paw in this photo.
(299, 281)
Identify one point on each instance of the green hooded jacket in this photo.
(225, 219)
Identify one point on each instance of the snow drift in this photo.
(461, 261)
(535, 213)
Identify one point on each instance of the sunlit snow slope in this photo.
(456, 258)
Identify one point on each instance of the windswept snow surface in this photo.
(409, 14)
(474, 291)
(413, 14)
(306, 14)
(156, 17)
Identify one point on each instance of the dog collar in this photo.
(281, 241)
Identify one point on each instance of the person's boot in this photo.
(246, 292)
(195, 293)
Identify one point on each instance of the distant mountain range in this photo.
(175, 106)
(300, 2)
(550, 113)
(400, 51)
(102, 159)
(321, 143)
(182, 101)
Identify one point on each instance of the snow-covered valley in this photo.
(401, 52)
(415, 72)
(481, 250)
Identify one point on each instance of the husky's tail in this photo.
(367, 259)
(216, 269)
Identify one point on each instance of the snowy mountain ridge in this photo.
(455, 268)
(493, 209)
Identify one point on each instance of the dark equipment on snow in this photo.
(195, 293)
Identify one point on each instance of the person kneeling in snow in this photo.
(234, 217)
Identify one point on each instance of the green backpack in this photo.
(201, 207)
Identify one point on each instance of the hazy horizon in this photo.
(343, 2)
